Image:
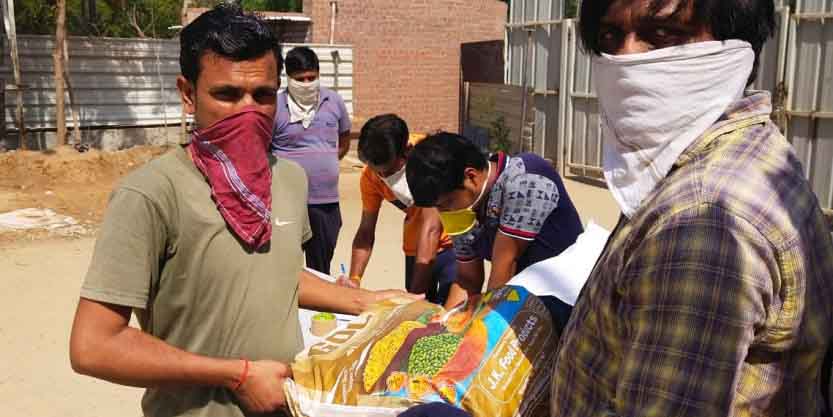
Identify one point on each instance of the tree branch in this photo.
(134, 22)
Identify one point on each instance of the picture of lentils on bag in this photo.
(430, 353)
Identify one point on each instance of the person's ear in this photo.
(187, 93)
(471, 174)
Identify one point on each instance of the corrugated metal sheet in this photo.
(583, 147)
(535, 39)
(810, 98)
(115, 81)
(125, 82)
(797, 66)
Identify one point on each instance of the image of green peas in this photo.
(430, 354)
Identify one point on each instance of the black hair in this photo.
(229, 32)
(436, 166)
(752, 21)
(382, 139)
(301, 59)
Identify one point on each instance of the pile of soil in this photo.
(66, 181)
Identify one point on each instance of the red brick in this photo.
(407, 53)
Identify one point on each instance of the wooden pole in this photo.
(58, 61)
(183, 15)
(73, 106)
(11, 32)
(183, 121)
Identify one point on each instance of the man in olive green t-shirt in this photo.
(204, 244)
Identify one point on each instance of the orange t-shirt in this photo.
(374, 191)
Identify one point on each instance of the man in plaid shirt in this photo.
(714, 295)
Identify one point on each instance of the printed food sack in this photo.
(491, 357)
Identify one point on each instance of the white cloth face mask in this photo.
(654, 105)
(304, 93)
(303, 101)
(398, 184)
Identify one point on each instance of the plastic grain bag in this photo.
(491, 357)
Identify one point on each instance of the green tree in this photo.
(499, 135)
(126, 18)
(260, 5)
(35, 17)
(123, 18)
(112, 18)
(572, 9)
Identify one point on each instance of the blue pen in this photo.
(343, 270)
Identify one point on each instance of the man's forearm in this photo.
(421, 278)
(501, 273)
(343, 145)
(135, 358)
(456, 295)
(129, 356)
(363, 241)
(469, 282)
(318, 294)
(427, 247)
(360, 257)
(423, 264)
(505, 253)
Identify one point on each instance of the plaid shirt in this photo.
(716, 298)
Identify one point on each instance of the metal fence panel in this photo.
(814, 6)
(584, 144)
(535, 38)
(810, 93)
(515, 58)
(772, 59)
(125, 82)
(545, 90)
(114, 82)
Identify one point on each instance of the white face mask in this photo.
(653, 105)
(303, 101)
(304, 93)
(398, 184)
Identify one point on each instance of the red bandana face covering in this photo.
(233, 155)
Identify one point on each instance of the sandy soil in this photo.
(70, 183)
(41, 276)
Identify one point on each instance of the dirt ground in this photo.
(66, 181)
(42, 274)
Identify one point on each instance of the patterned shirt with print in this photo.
(527, 201)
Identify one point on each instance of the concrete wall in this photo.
(407, 53)
(105, 139)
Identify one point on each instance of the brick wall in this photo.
(407, 53)
(288, 31)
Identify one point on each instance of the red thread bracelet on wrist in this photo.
(243, 376)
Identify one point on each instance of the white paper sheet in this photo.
(564, 275)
